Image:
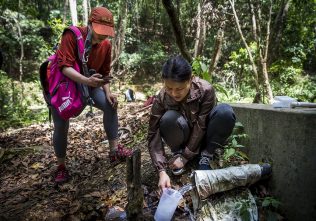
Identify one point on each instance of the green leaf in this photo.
(243, 155)
(206, 76)
(221, 89)
(240, 146)
(204, 67)
(234, 143)
(275, 203)
(266, 202)
(238, 124)
(229, 152)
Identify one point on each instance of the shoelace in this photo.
(204, 160)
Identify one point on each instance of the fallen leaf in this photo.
(93, 194)
(37, 166)
(34, 176)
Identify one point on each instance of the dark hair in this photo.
(177, 69)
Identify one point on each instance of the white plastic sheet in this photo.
(233, 205)
(208, 182)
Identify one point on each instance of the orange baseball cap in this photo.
(102, 21)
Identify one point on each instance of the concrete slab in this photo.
(286, 138)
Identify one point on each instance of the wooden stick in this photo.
(135, 195)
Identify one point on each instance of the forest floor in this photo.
(96, 191)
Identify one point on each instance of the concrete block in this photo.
(286, 138)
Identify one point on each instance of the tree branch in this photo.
(254, 67)
(174, 19)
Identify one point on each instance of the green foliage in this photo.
(131, 61)
(31, 40)
(243, 206)
(233, 149)
(239, 64)
(270, 202)
(238, 76)
(200, 69)
(297, 54)
(299, 35)
(270, 206)
(147, 60)
(149, 41)
(58, 27)
(14, 109)
(19, 109)
(288, 79)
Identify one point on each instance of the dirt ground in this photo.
(97, 190)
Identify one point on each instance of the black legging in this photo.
(175, 131)
(110, 122)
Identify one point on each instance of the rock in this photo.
(116, 213)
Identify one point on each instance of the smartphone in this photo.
(108, 78)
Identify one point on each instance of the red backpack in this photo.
(59, 91)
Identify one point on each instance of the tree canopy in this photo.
(250, 50)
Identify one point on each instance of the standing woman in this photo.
(186, 118)
(95, 35)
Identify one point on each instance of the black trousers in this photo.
(175, 130)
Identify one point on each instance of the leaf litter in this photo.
(97, 190)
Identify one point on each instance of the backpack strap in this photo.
(79, 38)
(83, 48)
(82, 54)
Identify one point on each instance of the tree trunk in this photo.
(174, 19)
(263, 46)
(17, 22)
(217, 51)
(85, 12)
(135, 195)
(21, 57)
(137, 22)
(278, 29)
(252, 61)
(119, 39)
(89, 6)
(200, 32)
(73, 11)
(156, 15)
(178, 7)
(253, 20)
(264, 58)
(65, 12)
(267, 85)
(14, 94)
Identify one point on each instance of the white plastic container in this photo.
(167, 204)
(283, 101)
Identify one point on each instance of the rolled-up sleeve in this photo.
(67, 50)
